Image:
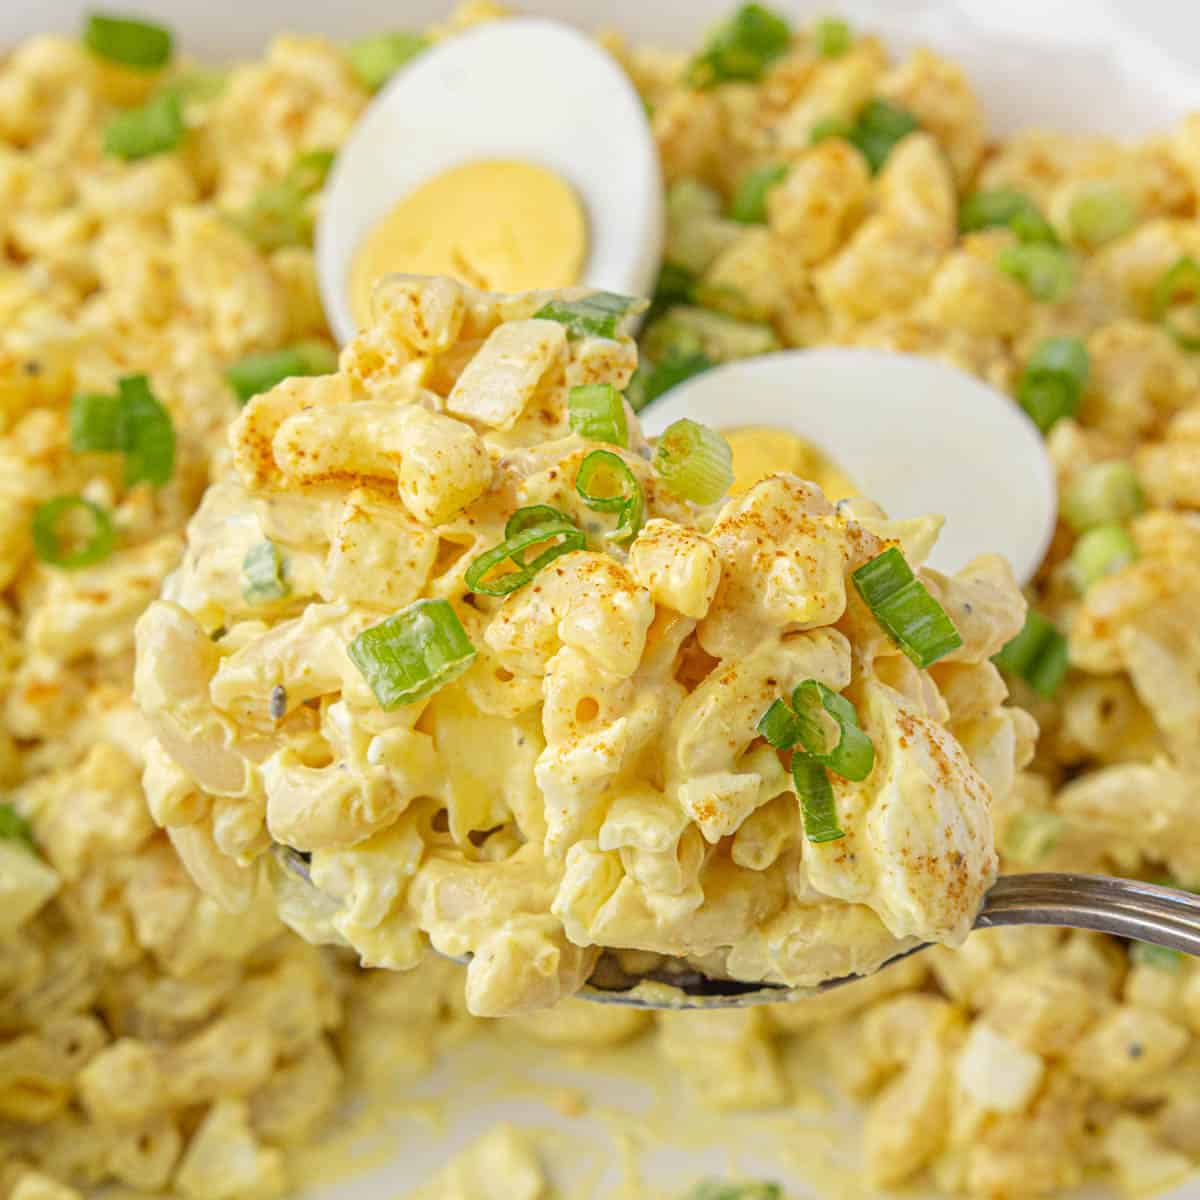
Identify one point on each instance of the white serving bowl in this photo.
(1125, 67)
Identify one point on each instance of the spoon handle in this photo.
(1123, 907)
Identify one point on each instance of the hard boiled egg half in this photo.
(514, 156)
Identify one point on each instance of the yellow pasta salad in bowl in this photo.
(523, 687)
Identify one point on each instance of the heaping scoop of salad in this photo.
(526, 687)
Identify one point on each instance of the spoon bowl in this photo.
(899, 426)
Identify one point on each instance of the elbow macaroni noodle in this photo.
(169, 1039)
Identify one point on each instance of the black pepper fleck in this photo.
(278, 703)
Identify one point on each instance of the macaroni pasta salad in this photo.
(156, 274)
(590, 770)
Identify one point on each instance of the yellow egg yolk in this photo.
(759, 452)
(499, 225)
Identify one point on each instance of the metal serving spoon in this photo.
(1124, 908)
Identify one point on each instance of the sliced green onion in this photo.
(1099, 213)
(597, 315)
(1100, 552)
(376, 59)
(749, 204)
(264, 574)
(852, 756)
(1038, 654)
(830, 127)
(1046, 272)
(1051, 385)
(512, 549)
(534, 514)
(675, 285)
(817, 806)
(94, 423)
(597, 412)
(901, 603)
(413, 653)
(14, 827)
(526, 518)
(154, 128)
(831, 37)
(687, 330)
(626, 500)
(740, 48)
(1179, 289)
(199, 84)
(878, 129)
(260, 372)
(1102, 494)
(280, 213)
(1005, 209)
(650, 382)
(309, 172)
(128, 41)
(145, 433)
(716, 1189)
(779, 725)
(1030, 836)
(1162, 958)
(52, 544)
(694, 462)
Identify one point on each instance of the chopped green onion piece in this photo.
(694, 462)
(264, 576)
(1046, 272)
(513, 549)
(1162, 958)
(687, 329)
(627, 500)
(749, 204)
(830, 127)
(376, 59)
(715, 1189)
(1099, 213)
(52, 544)
(280, 213)
(413, 653)
(597, 412)
(878, 129)
(14, 827)
(817, 806)
(154, 128)
(741, 47)
(1100, 552)
(1030, 836)
(199, 84)
(260, 372)
(650, 382)
(1179, 289)
(779, 725)
(852, 755)
(1102, 494)
(533, 514)
(1005, 209)
(128, 41)
(1038, 654)
(597, 315)
(832, 37)
(674, 284)
(901, 603)
(309, 172)
(1051, 385)
(145, 434)
(94, 423)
